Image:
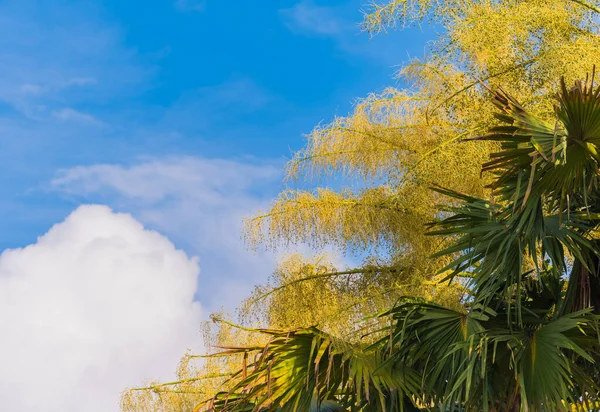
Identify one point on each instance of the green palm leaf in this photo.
(307, 367)
(474, 359)
(546, 202)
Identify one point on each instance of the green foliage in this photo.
(546, 200)
(481, 360)
(305, 366)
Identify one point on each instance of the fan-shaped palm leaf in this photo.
(307, 366)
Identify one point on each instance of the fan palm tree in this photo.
(527, 337)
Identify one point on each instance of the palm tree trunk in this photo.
(584, 284)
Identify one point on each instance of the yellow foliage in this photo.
(198, 377)
(394, 146)
(398, 143)
(301, 292)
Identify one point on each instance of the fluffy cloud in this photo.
(199, 203)
(97, 304)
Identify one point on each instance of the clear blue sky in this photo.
(124, 83)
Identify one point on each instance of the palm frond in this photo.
(307, 366)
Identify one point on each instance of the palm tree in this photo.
(528, 334)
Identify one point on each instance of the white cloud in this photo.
(42, 63)
(32, 89)
(198, 202)
(211, 181)
(309, 18)
(340, 23)
(75, 115)
(190, 5)
(96, 305)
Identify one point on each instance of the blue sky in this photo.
(89, 83)
(86, 83)
(174, 118)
